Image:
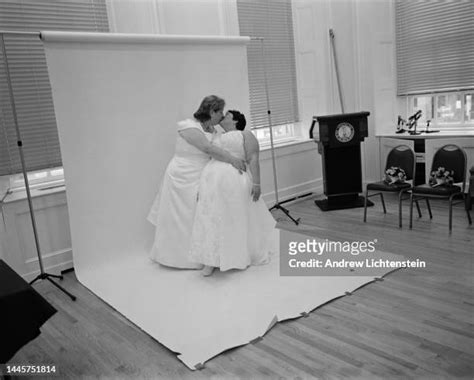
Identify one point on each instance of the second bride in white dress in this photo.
(233, 228)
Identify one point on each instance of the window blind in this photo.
(29, 76)
(272, 20)
(435, 46)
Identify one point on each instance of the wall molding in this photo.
(64, 262)
(18, 244)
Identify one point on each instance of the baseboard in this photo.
(54, 263)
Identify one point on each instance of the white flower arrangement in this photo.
(441, 176)
(394, 174)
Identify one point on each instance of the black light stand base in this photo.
(342, 202)
(295, 198)
(46, 276)
(278, 206)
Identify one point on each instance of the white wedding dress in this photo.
(230, 229)
(173, 210)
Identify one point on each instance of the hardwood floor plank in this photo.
(416, 324)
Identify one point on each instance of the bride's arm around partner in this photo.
(252, 153)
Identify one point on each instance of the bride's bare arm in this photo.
(252, 151)
(196, 138)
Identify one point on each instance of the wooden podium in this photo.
(339, 144)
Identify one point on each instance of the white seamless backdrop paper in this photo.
(117, 100)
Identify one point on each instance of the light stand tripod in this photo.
(43, 275)
(277, 204)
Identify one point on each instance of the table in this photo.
(22, 312)
(436, 140)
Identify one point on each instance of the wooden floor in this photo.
(416, 324)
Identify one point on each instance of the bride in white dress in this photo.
(233, 228)
(173, 209)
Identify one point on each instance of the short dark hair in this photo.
(240, 118)
(208, 104)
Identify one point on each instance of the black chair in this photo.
(452, 158)
(401, 156)
(470, 194)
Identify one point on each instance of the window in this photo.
(30, 80)
(445, 110)
(434, 41)
(435, 60)
(468, 107)
(448, 109)
(425, 104)
(272, 20)
(281, 134)
(53, 177)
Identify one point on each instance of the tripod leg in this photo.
(36, 279)
(296, 221)
(61, 288)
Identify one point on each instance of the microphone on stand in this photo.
(412, 122)
(401, 122)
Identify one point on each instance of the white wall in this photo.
(364, 41)
(191, 17)
(16, 233)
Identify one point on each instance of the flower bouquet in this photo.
(394, 175)
(441, 176)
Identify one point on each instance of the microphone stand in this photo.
(413, 122)
(43, 275)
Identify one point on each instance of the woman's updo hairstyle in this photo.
(208, 104)
(240, 118)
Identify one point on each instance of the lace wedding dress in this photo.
(230, 229)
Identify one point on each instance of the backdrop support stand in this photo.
(277, 205)
(43, 275)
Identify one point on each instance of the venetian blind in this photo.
(272, 20)
(435, 45)
(29, 76)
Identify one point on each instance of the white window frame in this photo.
(463, 124)
(38, 179)
(280, 136)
